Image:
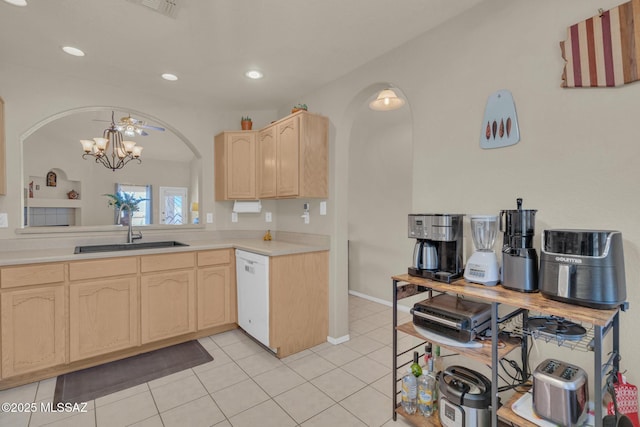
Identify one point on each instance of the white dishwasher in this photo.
(252, 276)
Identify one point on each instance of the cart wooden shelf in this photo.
(603, 322)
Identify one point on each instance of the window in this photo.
(174, 205)
(143, 215)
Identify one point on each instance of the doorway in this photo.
(173, 205)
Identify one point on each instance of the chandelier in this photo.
(110, 150)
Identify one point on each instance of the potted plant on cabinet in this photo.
(121, 198)
(246, 123)
(298, 108)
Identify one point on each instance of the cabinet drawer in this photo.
(13, 277)
(103, 268)
(214, 257)
(167, 261)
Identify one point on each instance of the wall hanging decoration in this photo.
(604, 50)
(500, 122)
(52, 179)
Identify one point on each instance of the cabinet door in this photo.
(3, 166)
(267, 163)
(103, 317)
(168, 305)
(241, 165)
(33, 329)
(214, 296)
(287, 137)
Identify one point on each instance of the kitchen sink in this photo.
(127, 246)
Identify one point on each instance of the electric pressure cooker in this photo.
(465, 398)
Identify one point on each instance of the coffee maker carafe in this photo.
(437, 253)
(519, 258)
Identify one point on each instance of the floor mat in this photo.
(91, 383)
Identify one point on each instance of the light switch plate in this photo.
(234, 216)
(323, 207)
(267, 217)
(4, 220)
(209, 218)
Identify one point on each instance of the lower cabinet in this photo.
(33, 329)
(167, 305)
(103, 317)
(214, 297)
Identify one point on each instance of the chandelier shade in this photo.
(110, 150)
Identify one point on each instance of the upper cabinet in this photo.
(235, 165)
(300, 160)
(3, 167)
(287, 159)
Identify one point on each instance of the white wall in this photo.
(576, 159)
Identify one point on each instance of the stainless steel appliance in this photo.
(519, 258)
(465, 398)
(457, 318)
(560, 392)
(584, 267)
(437, 253)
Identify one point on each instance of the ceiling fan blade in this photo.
(143, 133)
(151, 127)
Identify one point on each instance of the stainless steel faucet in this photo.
(130, 235)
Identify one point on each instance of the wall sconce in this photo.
(386, 100)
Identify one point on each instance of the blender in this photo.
(482, 267)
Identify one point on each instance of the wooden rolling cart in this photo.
(603, 321)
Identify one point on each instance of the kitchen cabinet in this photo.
(302, 156)
(267, 163)
(216, 290)
(34, 329)
(167, 296)
(3, 161)
(603, 321)
(298, 301)
(103, 310)
(235, 165)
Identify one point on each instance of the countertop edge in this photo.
(268, 248)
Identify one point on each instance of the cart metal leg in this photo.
(394, 374)
(494, 364)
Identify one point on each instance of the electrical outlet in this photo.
(209, 218)
(234, 216)
(267, 217)
(4, 220)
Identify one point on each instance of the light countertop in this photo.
(269, 248)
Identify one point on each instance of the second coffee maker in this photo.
(519, 258)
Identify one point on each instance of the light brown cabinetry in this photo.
(266, 147)
(235, 165)
(298, 301)
(3, 162)
(301, 156)
(33, 318)
(216, 289)
(167, 296)
(103, 310)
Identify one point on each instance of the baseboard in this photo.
(339, 340)
(378, 300)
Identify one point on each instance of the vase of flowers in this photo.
(121, 198)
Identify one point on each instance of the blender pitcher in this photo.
(482, 267)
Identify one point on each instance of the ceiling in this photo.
(299, 45)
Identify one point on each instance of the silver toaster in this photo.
(560, 392)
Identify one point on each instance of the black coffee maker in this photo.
(519, 258)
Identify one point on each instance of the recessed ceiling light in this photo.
(170, 77)
(254, 74)
(73, 51)
(20, 3)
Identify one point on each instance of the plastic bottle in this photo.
(410, 391)
(427, 386)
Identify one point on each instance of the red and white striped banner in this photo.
(603, 50)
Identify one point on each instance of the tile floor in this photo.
(329, 385)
